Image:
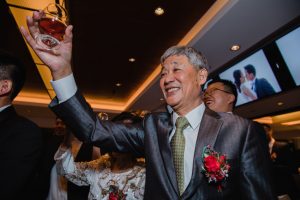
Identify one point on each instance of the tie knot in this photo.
(181, 123)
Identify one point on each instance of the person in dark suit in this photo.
(261, 86)
(185, 149)
(20, 138)
(283, 164)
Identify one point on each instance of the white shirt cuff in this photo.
(64, 88)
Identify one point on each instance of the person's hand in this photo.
(58, 60)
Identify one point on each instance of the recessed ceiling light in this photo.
(131, 59)
(235, 47)
(159, 11)
(279, 103)
(118, 84)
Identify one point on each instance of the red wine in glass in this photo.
(51, 27)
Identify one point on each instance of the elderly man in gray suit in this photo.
(191, 153)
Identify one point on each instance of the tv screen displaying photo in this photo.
(289, 46)
(253, 78)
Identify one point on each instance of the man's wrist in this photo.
(60, 74)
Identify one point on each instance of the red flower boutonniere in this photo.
(115, 193)
(215, 166)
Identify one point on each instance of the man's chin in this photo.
(172, 99)
(172, 102)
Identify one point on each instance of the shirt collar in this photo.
(3, 107)
(169, 109)
(194, 116)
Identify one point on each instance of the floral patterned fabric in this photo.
(100, 178)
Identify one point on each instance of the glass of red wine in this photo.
(52, 26)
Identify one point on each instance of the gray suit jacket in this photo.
(238, 138)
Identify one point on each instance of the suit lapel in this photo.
(208, 132)
(163, 139)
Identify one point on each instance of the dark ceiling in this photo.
(108, 33)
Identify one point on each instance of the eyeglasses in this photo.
(213, 90)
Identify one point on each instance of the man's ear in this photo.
(202, 76)
(5, 87)
(231, 98)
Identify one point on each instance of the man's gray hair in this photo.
(197, 59)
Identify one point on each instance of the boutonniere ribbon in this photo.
(215, 166)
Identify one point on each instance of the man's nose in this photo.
(207, 93)
(169, 77)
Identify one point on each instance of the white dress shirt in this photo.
(66, 87)
(190, 133)
(3, 107)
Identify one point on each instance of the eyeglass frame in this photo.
(215, 89)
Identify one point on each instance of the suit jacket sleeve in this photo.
(86, 126)
(256, 180)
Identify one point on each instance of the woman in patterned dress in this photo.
(114, 176)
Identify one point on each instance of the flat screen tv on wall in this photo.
(289, 47)
(253, 77)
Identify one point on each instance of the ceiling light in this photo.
(159, 11)
(280, 103)
(235, 47)
(291, 123)
(118, 84)
(131, 59)
(161, 99)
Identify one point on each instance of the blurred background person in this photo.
(245, 94)
(281, 152)
(52, 139)
(20, 138)
(58, 189)
(113, 176)
(284, 166)
(52, 185)
(220, 96)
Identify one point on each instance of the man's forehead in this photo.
(216, 84)
(174, 60)
(171, 63)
